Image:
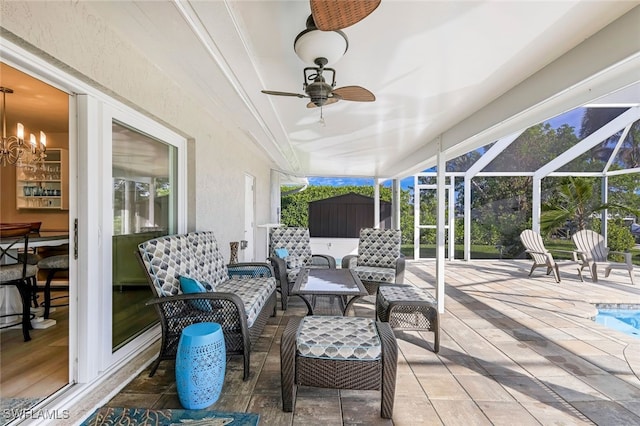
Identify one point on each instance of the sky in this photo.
(349, 181)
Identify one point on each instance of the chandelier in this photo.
(13, 149)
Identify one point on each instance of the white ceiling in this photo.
(37, 105)
(431, 64)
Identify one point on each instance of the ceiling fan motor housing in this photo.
(319, 92)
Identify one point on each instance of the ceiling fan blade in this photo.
(271, 92)
(329, 102)
(331, 15)
(354, 93)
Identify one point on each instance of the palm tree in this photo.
(574, 204)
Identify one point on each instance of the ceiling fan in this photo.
(322, 93)
(331, 15)
(322, 43)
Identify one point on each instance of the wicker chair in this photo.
(369, 367)
(239, 297)
(296, 242)
(595, 254)
(379, 259)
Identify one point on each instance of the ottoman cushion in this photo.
(405, 293)
(338, 338)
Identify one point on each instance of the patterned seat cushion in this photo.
(405, 293)
(194, 255)
(14, 272)
(55, 262)
(338, 338)
(292, 274)
(379, 247)
(374, 273)
(254, 293)
(296, 241)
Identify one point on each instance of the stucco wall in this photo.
(67, 34)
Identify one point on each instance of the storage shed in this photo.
(342, 216)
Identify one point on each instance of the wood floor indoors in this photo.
(40, 367)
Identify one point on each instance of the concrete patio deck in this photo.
(514, 350)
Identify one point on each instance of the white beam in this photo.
(376, 203)
(440, 225)
(604, 225)
(617, 147)
(536, 204)
(451, 217)
(604, 63)
(395, 203)
(611, 128)
(495, 150)
(467, 219)
(416, 218)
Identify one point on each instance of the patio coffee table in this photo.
(343, 283)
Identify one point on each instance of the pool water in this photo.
(624, 320)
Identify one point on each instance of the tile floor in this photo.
(514, 350)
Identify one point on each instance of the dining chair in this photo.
(15, 272)
(32, 258)
(53, 264)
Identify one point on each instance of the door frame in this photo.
(90, 364)
(249, 252)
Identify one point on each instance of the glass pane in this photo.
(595, 159)
(534, 148)
(144, 207)
(500, 210)
(628, 156)
(464, 162)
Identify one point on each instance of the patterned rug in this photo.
(15, 408)
(143, 416)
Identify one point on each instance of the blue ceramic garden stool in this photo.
(200, 365)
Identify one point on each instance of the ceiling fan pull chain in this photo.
(322, 122)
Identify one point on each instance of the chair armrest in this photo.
(326, 260)
(349, 261)
(400, 265)
(279, 267)
(544, 253)
(581, 256)
(251, 269)
(227, 309)
(627, 256)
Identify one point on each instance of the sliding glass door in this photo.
(144, 175)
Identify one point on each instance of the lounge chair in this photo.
(532, 242)
(594, 254)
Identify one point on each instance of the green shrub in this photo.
(619, 237)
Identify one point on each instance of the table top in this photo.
(328, 281)
(42, 241)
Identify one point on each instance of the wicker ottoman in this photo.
(339, 353)
(410, 308)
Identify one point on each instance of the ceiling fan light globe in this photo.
(311, 44)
